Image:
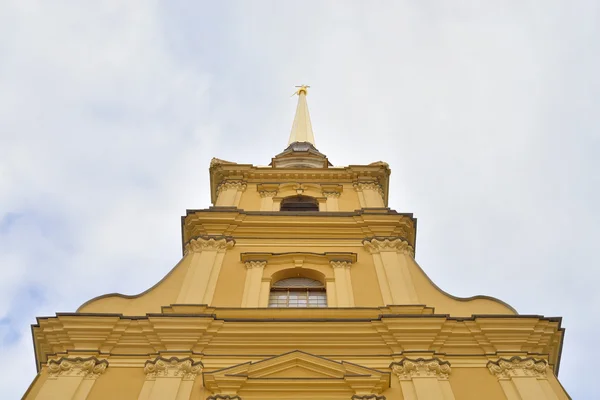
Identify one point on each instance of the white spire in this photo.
(302, 128)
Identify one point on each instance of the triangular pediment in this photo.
(299, 372)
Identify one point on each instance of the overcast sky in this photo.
(487, 113)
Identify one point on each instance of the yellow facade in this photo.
(383, 330)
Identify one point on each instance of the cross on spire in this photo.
(302, 88)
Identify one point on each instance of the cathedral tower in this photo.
(298, 283)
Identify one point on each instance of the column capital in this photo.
(340, 264)
(331, 191)
(517, 366)
(223, 397)
(232, 184)
(331, 194)
(367, 397)
(268, 193)
(202, 243)
(255, 264)
(397, 244)
(173, 367)
(89, 368)
(371, 185)
(407, 369)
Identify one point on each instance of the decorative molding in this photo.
(303, 369)
(331, 190)
(380, 164)
(360, 186)
(368, 397)
(255, 264)
(223, 397)
(268, 193)
(329, 175)
(408, 368)
(231, 184)
(268, 189)
(299, 257)
(517, 366)
(185, 368)
(217, 161)
(339, 264)
(331, 194)
(89, 368)
(479, 334)
(376, 245)
(200, 244)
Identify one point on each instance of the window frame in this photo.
(319, 294)
(300, 203)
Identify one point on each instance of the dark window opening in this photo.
(299, 203)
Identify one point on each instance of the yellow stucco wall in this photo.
(231, 280)
(348, 200)
(230, 286)
(118, 383)
(475, 384)
(36, 385)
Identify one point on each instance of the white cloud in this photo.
(486, 113)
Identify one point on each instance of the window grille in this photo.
(298, 292)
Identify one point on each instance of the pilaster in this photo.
(323, 203)
(229, 193)
(206, 257)
(267, 193)
(71, 378)
(254, 283)
(332, 200)
(332, 300)
(169, 379)
(391, 257)
(370, 194)
(343, 283)
(424, 379)
(523, 378)
(276, 203)
(266, 200)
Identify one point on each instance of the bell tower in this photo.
(297, 283)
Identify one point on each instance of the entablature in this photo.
(360, 224)
(295, 258)
(354, 174)
(383, 330)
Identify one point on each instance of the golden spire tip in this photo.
(302, 88)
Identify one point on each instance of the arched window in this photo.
(298, 292)
(299, 203)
